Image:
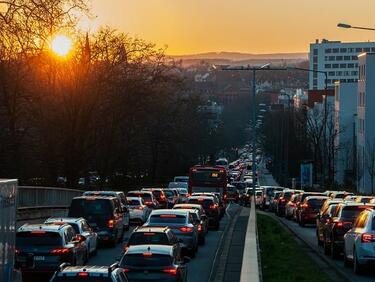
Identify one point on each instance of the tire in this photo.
(357, 267)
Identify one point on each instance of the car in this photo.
(202, 225)
(159, 196)
(340, 194)
(81, 227)
(172, 196)
(364, 199)
(273, 200)
(103, 214)
(342, 221)
(232, 193)
(301, 197)
(359, 241)
(139, 212)
(258, 197)
(154, 263)
(178, 185)
(210, 205)
(283, 200)
(43, 247)
(202, 215)
(89, 274)
(182, 224)
(290, 206)
(147, 196)
(183, 194)
(122, 200)
(153, 236)
(324, 216)
(267, 194)
(309, 209)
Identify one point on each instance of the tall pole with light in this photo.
(265, 67)
(344, 25)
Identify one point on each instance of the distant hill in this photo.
(236, 58)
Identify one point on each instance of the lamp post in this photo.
(344, 25)
(265, 67)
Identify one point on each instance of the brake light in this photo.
(225, 196)
(283, 200)
(38, 232)
(172, 271)
(111, 223)
(17, 251)
(168, 216)
(148, 203)
(83, 274)
(149, 234)
(186, 229)
(126, 248)
(60, 251)
(199, 227)
(342, 224)
(126, 270)
(305, 206)
(214, 206)
(140, 208)
(162, 197)
(147, 254)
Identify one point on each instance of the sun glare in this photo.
(61, 45)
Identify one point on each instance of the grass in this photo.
(282, 257)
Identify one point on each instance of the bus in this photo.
(208, 179)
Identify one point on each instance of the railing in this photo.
(30, 196)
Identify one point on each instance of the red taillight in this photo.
(126, 270)
(83, 274)
(140, 208)
(172, 271)
(60, 251)
(305, 206)
(17, 251)
(283, 200)
(148, 203)
(367, 238)
(214, 206)
(162, 197)
(342, 224)
(147, 254)
(199, 227)
(186, 229)
(111, 223)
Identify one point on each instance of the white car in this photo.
(359, 242)
(138, 211)
(81, 227)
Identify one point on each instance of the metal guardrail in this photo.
(31, 196)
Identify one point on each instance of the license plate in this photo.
(39, 258)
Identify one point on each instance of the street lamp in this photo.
(344, 25)
(265, 67)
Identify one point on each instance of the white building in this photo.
(345, 117)
(366, 122)
(338, 59)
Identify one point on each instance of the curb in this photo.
(333, 266)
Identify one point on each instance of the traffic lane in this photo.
(308, 234)
(199, 268)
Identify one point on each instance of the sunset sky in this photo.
(254, 26)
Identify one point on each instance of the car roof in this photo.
(205, 197)
(101, 192)
(316, 197)
(356, 204)
(134, 198)
(85, 268)
(190, 210)
(188, 205)
(42, 227)
(151, 229)
(95, 197)
(169, 211)
(156, 249)
(64, 219)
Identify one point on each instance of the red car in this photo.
(310, 208)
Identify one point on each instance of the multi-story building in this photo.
(339, 60)
(366, 128)
(345, 125)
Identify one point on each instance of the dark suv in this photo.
(67, 273)
(43, 247)
(211, 208)
(152, 236)
(335, 228)
(103, 214)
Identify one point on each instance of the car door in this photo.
(90, 236)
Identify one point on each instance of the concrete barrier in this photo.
(250, 262)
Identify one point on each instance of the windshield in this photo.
(145, 238)
(133, 202)
(206, 203)
(316, 203)
(167, 218)
(29, 239)
(85, 207)
(140, 260)
(169, 193)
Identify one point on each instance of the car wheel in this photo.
(357, 267)
(334, 251)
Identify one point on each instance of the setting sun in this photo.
(61, 45)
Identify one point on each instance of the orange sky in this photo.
(254, 26)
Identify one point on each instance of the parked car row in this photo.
(345, 223)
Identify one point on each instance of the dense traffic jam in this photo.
(345, 223)
(171, 223)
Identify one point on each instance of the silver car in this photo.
(359, 242)
(138, 211)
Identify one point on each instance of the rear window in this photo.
(133, 202)
(146, 238)
(29, 239)
(351, 213)
(304, 195)
(231, 189)
(258, 193)
(288, 195)
(206, 203)
(156, 193)
(73, 278)
(340, 196)
(140, 260)
(316, 203)
(169, 193)
(85, 207)
(167, 218)
(142, 195)
(277, 195)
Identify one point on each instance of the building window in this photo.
(350, 66)
(315, 82)
(366, 49)
(331, 58)
(372, 49)
(335, 50)
(350, 50)
(315, 66)
(338, 58)
(331, 73)
(335, 66)
(354, 58)
(329, 81)
(339, 73)
(343, 66)
(347, 58)
(328, 50)
(350, 80)
(359, 50)
(346, 73)
(343, 80)
(327, 66)
(315, 59)
(343, 50)
(354, 73)
(356, 65)
(315, 75)
(315, 52)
